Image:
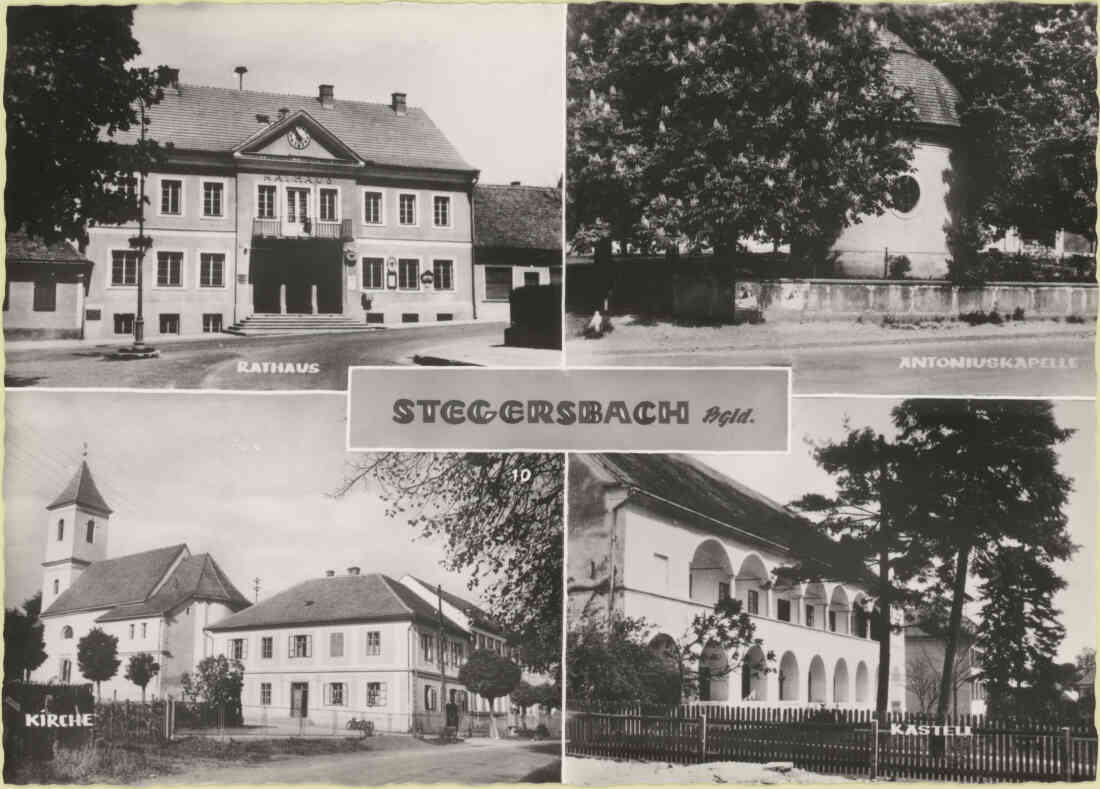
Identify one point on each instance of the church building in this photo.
(157, 601)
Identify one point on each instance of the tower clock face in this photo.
(298, 138)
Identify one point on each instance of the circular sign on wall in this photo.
(905, 194)
(426, 278)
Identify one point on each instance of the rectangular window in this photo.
(169, 323)
(267, 645)
(131, 631)
(443, 274)
(374, 642)
(328, 206)
(212, 270)
(444, 316)
(723, 591)
(89, 533)
(372, 208)
(45, 295)
(124, 323)
(832, 621)
(265, 693)
(144, 629)
(809, 616)
(212, 198)
(410, 317)
(441, 211)
(169, 269)
(754, 601)
(530, 278)
(376, 317)
(498, 283)
(427, 647)
(265, 202)
(170, 193)
(336, 645)
(336, 694)
(373, 274)
(407, 209)
(408, 274)
(211, 322)
(124, 267)
(783, 610)
(237, 648)
(376, 694)
(301, 646)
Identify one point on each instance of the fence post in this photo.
(1067, 744)
(874, 748)
(702, 736)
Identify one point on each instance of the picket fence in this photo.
(846, 742)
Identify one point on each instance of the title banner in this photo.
(726, 409)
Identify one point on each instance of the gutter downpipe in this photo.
(473, 248)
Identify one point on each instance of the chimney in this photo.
(173, 78)
(353, 571)
(324, 95)
(283, 112)
(397, 101)
(262, 118)
(329, 573)
(515, 183)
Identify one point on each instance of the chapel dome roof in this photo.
(936, 98)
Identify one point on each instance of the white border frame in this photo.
(203, 181)
(256, 202)
(382, 192)
(416, 208)
(419, 270)
(108, 283)
(183, 195)
(199, 287)
(156, 253)
(453, 287)
(363, 274)
(450, 211)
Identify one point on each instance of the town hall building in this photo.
(157, 601)
(273, 212)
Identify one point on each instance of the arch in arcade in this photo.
(709, 573)
(788, 677)
(815, 687)
(751, 580)
(840, 682)
(863, 684)
(839, 610)
(754, 682)
(714, 673)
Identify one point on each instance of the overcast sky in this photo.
(822, 419)
(246, 478)
(491, 76)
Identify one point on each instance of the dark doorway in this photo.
(293, 270)
(299, 699)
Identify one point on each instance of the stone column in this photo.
(282, 298)
(313, 297)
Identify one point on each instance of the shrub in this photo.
(898, 266)
(1075, 319)
(541, 732)
(1018, 314)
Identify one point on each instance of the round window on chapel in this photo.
(905, 194)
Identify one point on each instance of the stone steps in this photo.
(268, 323)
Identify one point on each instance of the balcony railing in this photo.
(309, 228)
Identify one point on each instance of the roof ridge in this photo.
(388, 581)
(273, 94)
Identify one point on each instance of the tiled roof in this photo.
(112, 582)
(82, 491)
(478, 616)
(342, 598)
(936, 98)
(517, 217)
(21, 248)
(727, 506)
(201, 118)
(195, 578)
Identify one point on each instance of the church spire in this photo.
(82, 491)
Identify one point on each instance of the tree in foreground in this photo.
(67, 92)
(97, 657)
(703, 126)
(500, 515)
(490, 676)
(1026, 74)
(984, 487)
(141, 669)
(868, 517)
(216, 684)
(24, 639)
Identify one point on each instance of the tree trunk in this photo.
(958, 598)
(142, 694)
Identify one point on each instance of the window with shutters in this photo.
(301, 646)
(376, 694)
(237, 648)
(335, 692)
(374, 642)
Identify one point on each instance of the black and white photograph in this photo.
(907, 595)
(257, 196)
(234, 603)
(891, 199)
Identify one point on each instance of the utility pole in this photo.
(442, 673)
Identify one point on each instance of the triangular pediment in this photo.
(299, 136)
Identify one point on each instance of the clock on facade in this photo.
(298, 138)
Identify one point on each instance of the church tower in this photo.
(76, 534)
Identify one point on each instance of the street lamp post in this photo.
(140, 243)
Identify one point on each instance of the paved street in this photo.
(216, 363)
(472, 762)
(892, 368)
